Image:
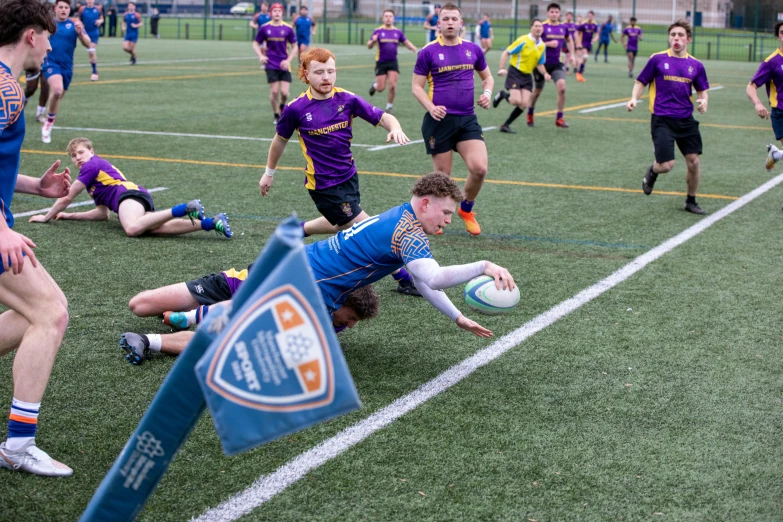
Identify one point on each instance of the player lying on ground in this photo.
(770, 74)
(361, 304)
(107, 186)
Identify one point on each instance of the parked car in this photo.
(243, 8)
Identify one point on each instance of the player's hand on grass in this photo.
(701, 106)
(438, 112)
(265, 184)
(39, 218)
(631, 105)
(503, 278)
(502, 72)
(55, 184)
(12, 245)
(473, 327)
(398, 136)
(762, 111)
(63, 215)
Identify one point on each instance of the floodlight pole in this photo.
(756, 29)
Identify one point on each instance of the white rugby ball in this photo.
(483, 296)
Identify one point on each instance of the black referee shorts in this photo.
(666, 131)
(516, 79)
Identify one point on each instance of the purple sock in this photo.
(303, 229)
(530, 110)
(402, 275)
(559, 115)
(581, 68)
(467, 206)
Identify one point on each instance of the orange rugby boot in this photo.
(471, 225)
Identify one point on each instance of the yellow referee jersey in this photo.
(526, 53)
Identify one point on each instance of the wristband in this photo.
(488, 93)
(269, 172)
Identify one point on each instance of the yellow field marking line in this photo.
(387, 174)
(701, 124)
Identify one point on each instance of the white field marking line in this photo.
(79, 204)
(267, 486)
(179, 134)
(382, 147)
(622, 104)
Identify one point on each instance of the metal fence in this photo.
(723, 29)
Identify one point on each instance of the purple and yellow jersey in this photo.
(88, 16)
(770, 73)
(526, 53)
(11, 137)
(633, 34)
(670, 80)
(388, 40)
(554, 32)
(105, 183)
(325, 132)
(571, 29)
(234, 279)
(588, 30)
(277, 36)
(449, 71)
(63, 43)
(131, 18)
(366, 252)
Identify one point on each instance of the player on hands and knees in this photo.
(132, 203)
(91, 16)
(770, 74)
(555, 36)
(360, 305)
(387, 37)
(586, 36)
(131, 22)
(36, 311)
(305, 29)
(58, 67)
(450, 123)
(527, 54)
(323, 117)
(280, 50)
(630, 39)
(671, 74)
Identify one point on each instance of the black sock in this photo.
(516, 113)
(282, 106)
(652, 168)
(691, 199)
(277, 116)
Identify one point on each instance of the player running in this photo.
(91, 16)
(770, 74)
(387, 37)
(485, 33)
(586, 35)
(36, 311)
(131, 22)
(361, 304)
(670, 75)
(261, 17)
(278, 36)
(450, 124)
(555, 36)
(630, 39)
(58, 67)
(606, 31)
(305, 28)
(571, 28)
(527, 54)
(431, 23)
(107, 186)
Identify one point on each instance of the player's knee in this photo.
(58, 92)
(133, 229)
(692, 162)
(665, 167)
(479, 171)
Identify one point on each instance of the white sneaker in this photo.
(46, 133)
(94, 77)
(32, 460)
(771, 150)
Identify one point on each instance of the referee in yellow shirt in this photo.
(527, 53)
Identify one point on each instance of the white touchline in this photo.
(382, 147)
(267, 486)
(622, 104)
(79, 204)
(178, 134)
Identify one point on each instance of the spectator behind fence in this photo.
(112, 21)
(154, 21)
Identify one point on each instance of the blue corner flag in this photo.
(269, 364)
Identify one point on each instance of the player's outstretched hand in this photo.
(473, 327)
(503, 279)
(12, 245)
(438, 112)
(762, 111)
(265, 184)
(502, 72)
(55, 184)
(701, 105)
(398, 136)
(631, 105)
(39, 218)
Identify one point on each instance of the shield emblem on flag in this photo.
(276, 357)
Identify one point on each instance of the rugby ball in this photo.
(482, 295)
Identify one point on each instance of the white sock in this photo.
(155, 342)
(17, 443)
(374, 85)
(40, 110)
(777, 155)
(191, 316)
(389, 106)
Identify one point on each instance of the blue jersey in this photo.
(303, 25)
(366, 252)
(485, 27)
(606, 31)
(63, 44)
(88, 16)
(433, 23)
(131, 18)
(11, 137)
